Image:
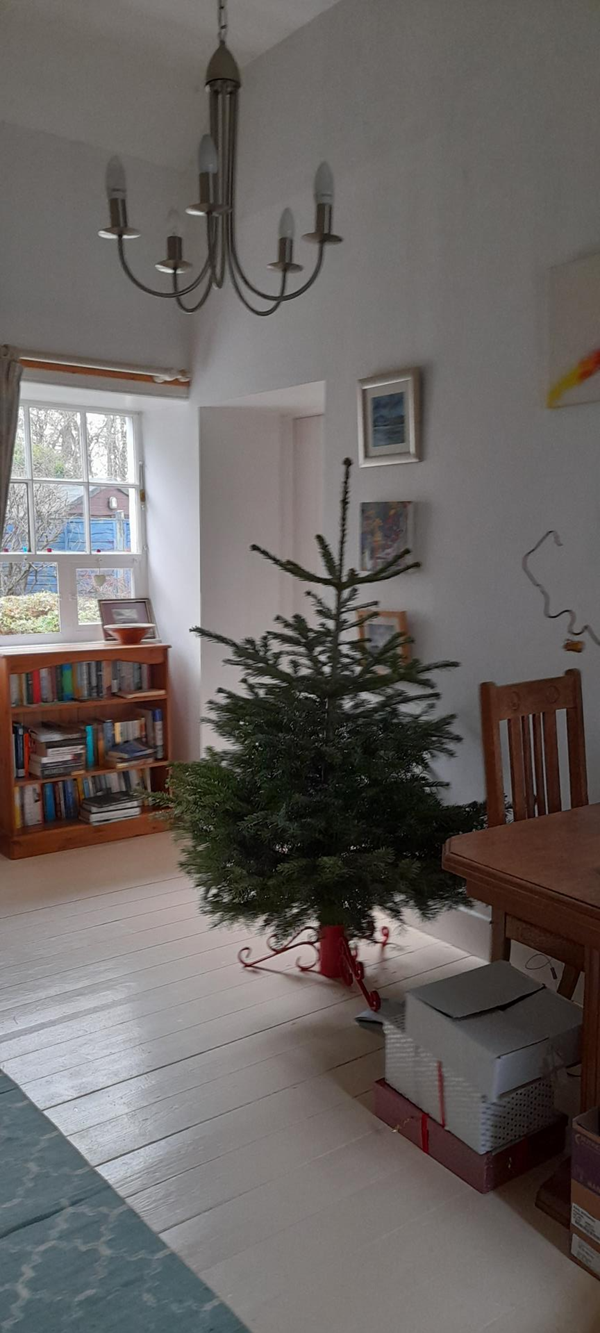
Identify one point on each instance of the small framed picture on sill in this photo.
(389, 418)
(126, 611)
(377, 631)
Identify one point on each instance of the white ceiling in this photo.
(184, 31)
(127, 75)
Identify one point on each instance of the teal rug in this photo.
(73, 1255)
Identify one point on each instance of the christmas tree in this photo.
(322, 807)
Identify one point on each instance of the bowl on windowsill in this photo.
(128, 635)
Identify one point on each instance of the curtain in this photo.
(10, 379)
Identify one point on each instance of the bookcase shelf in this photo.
(46, 711)
(92, 772)
(61, 834)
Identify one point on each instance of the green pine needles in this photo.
(322, 807)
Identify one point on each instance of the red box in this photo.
(484, 1171)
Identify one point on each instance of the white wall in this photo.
(261, 478)
(465, 141)
(307, 498)
(243, 499)
(61, 287)
(172, 482)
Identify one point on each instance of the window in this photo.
(74, 524)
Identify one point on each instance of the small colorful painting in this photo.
(386, 528)
(574, 333)
(388, 418)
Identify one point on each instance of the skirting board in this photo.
(466, 928)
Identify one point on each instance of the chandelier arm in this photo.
(151, 291)
(277, 301)
(257, 291)
(191, 309)
(216, 251)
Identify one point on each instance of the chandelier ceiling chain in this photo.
(217, 173)
(222, 17)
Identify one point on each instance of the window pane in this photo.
(18, 463)
(28, 598)
(16, 528)
(59, 517)
(111, 511)
(110, 453)
(55, 443)
(93, 585)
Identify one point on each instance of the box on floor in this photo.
(585, 1191)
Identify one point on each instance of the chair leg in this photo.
(500, 951)
(568, 981)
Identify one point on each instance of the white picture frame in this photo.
(389, 418)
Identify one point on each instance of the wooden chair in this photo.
(530, 710)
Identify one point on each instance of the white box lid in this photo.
(495, 1027)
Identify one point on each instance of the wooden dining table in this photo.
(546, 872)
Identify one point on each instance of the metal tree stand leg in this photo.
(334, 957)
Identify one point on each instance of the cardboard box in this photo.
(495, 1027)
(484, 1125)
(483, 1171)
(585, 1191)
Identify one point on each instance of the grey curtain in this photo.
(10, 379)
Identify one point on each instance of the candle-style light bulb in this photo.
(116, 191)
(285, 252)
(323, 233)
(116, 184)
(208, 158)
(324, 184)
(286, 225)
(174, 223)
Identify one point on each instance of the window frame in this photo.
(68, 562)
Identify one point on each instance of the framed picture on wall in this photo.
(386, 528)
(382, 626)
(389, 418)
(126, 611)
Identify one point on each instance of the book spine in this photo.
(19, 747)
(67, 682)
(58, 684)
(29, 687)
(26, 751)
(18, 808)
(36, 686)
(90, 746)
(159, 732)
(145, 675)
(48, 802)
(15, 691)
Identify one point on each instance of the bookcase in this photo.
(19, 841)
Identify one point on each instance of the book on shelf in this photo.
(70, 682)
(49, 802)
(53, 751)
(130, 752)
(109, 806)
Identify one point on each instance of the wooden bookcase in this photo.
(59, 835)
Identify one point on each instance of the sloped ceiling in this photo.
(127, 75)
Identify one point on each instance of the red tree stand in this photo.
(334, 957)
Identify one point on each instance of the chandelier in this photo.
(217, 168)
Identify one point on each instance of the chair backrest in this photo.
(530, 710)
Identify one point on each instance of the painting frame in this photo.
(386, 528)
(373, 451)
(138, 608)
(398, 622)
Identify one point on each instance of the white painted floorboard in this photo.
(232, 1110)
